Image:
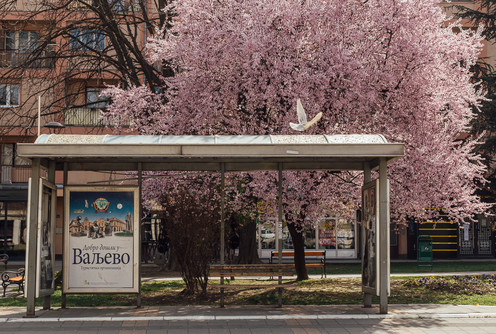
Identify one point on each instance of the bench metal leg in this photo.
(279, 292)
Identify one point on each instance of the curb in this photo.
(260, 317)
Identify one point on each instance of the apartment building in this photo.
(55, 59)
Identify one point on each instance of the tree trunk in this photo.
(248, 244)
(299, 253)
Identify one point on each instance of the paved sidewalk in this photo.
(213, 313)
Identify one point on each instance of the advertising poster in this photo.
(327, 237)
(46, 239)
(101, 240)
(345, 234)
(370, 238)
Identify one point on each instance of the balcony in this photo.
(16, 58)
(15, 174)
(84, 117)
(87, 117)
(118, 6)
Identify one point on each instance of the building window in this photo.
(117, 5)
(9, 96)
(124, 6)
(10, 157)
(21, 41)
(87, 40)
(94, 99)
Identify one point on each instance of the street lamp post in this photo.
(54, 127)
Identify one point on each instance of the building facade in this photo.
(55, 59)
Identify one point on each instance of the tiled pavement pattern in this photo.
(254, 319)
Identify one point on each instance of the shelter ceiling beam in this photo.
(214, 166)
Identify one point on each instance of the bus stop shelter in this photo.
(51, 153)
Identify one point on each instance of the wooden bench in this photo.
(251, 270)
(13, 277)
(319, 255)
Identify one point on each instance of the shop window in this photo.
(267, 235)
(287, 242)
(337, 234)
(327, 236)
(345, 234)
(309, 237)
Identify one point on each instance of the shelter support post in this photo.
(222, 211)
(51, 178)
(222, 226)
(367, 297)
(63, 299)
(140, 217)
(6, 217)
(33, 203)
(279, 227)
(383, 236)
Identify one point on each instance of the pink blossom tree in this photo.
(392, 67)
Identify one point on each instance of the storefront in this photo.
(475, 238)
(336, 235)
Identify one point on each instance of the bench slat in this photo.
(274, 274)
(275, 266)
(16, 279)
(291, 253)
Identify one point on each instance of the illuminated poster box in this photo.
(101, 240)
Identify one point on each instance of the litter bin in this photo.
(424, 251)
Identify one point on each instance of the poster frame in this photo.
(368, 288)
(134, 289)
(52, 188)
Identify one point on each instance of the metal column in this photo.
(383, 237)
(51, 178)
(140, 217)
(222, 226)
(222, 211)
(279, 228)
(367, 297)
(33, 203)
(63, 299)
(6, 208)
(279, 213)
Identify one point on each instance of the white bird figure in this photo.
(302, 118)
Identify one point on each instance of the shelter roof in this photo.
(238, 153)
